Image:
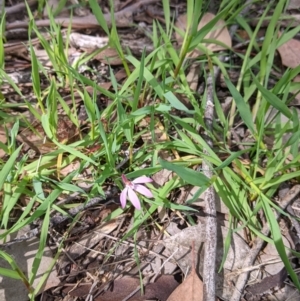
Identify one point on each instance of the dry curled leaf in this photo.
(220, 33)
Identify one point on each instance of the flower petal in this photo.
(142, 179)
(124, 179)
(133, 198)
(123, 197)
(143, 190)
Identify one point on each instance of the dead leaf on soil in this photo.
(109, 56)
(189, 290)
(268, 283)
(179, 244)
(24, 254)
(75, 165)
(290, 53)
(294, 4)
(123, 287)
(162, 176)
(290, 57)
(269, 254)
(84, 180)
(220, 34)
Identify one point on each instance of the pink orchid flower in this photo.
(131, 187)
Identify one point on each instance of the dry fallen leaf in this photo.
(189, 290)
(294, 4)
(290, 53)
(24, 254)
(109, 56)
(220, 34)
(162, 176)
(179, 246)
(290, 57)
(268, 283)
(123, 287)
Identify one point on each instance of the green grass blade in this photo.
(276, 235)
(9, 273)
(8, 166)
(190, 176)
(273, 100)
(138, 88)
(2, 37)
(167, 14)
(42, 244)
(97, 11)
(243, 108)
(16, 269)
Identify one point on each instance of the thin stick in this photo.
(122, 18)
(209, 265)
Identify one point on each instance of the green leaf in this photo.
(243, 108)
(138, 89)
(142, 111)
(46, 126)
(126, 124)
(152, 81)
(75, 152)
(166, 8)
(276, 235)
(232, 157)
(175, 102)
(43, 240)
(36, 81)
(190, 176)
(9, 273)
(16, 270)
(273, 100)
(69, 187)
(2, 35)
(97, 11)
(8, 166)
(11, 201)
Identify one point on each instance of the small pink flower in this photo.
(131, 187)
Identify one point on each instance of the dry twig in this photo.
(209, 265)
(123, 18)
(209, 291)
